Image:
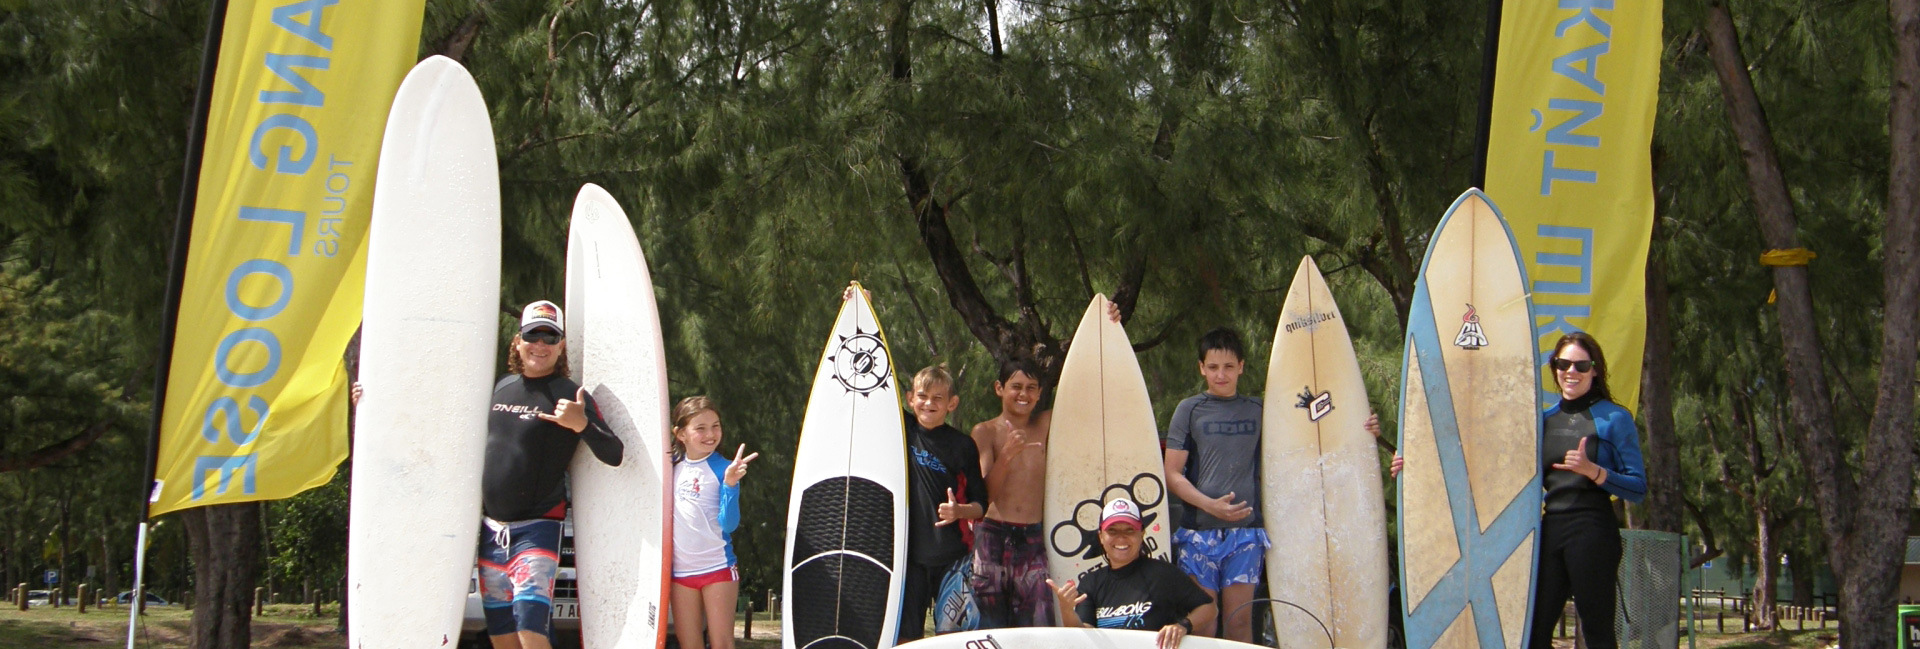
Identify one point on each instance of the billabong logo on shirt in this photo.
(1124, 616)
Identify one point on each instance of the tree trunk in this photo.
(1766, 569)
(1663, 507)
(225, 541)
(1865, 533)
(1800, 564)
(109, 576)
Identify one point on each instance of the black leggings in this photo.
(1579, 556)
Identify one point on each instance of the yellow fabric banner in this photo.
(256, 401)
(1569, 164)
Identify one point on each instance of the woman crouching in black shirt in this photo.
(1133, 591)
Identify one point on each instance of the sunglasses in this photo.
(543, 337)
(1578, 366)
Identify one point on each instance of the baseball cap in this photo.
(541, 314)
(1119, 509)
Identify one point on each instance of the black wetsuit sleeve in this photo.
(970, 466)
(599, 437)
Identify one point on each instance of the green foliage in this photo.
(769, 151)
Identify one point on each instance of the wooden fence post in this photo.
(259, 601)
(83, 598)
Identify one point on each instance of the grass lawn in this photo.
(291, 626)
(285, 626)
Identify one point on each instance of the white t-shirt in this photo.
(699, 547)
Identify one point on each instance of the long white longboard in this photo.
(1103, 444)
(1321, 477)
(622, 516)
(847, 513)
(427, 348)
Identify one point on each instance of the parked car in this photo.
(38, 597)
(126, 597)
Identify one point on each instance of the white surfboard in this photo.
(847, 512)
(427, 347)
(622, 516)
(1064, 638)
(1103, 444)
(1470, 431)
(1320, 472)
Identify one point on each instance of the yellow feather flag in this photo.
(1569, 163)
(255, 404)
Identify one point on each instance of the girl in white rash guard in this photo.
(706, 509)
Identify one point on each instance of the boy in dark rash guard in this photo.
(538, 419)
(942, 466)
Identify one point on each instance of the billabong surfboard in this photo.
(1103, 444)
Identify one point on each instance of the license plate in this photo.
(566, 610)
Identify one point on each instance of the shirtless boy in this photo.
(1009, 546)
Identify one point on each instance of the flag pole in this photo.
(170, 310)
(1483, 121)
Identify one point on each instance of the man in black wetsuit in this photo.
(538, 419)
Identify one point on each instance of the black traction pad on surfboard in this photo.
(845, 513)
(850, 583)
(841, 599)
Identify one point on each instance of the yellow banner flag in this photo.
(1569, 164)
(256, 397)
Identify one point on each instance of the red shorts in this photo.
(704, 580)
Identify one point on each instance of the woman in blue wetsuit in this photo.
(1589, 453)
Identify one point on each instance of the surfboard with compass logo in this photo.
(1469, 427)
(1320, 473)
(846, 515)
(1103, 445)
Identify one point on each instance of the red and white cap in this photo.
(542, 314)
(1117, 510)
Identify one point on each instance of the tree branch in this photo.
(54, 452)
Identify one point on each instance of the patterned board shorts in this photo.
(1221, 558)
(518, 562)
(1010, 575)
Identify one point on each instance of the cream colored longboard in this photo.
(847, 512)
(621, 515)
(427, 345)
(1469, 417)
(1321, 479)
(1103, 444)
(1063, 638)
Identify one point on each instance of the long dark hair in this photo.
(1592, 346)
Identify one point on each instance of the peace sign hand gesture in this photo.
(571, 414)
(738, 468)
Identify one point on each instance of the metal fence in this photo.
(1652, 565)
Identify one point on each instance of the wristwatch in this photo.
(1185, 624)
